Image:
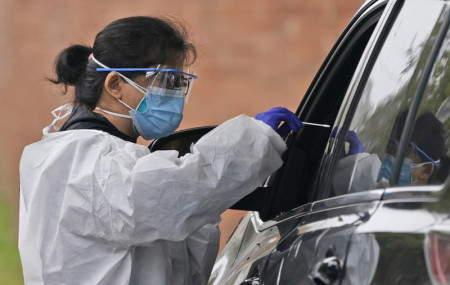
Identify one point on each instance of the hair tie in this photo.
(90, 56)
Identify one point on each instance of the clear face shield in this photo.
(169, 79)
(161, 80)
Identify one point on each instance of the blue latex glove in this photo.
(277, 115)
(355, 145)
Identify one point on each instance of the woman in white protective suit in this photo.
(97, 208)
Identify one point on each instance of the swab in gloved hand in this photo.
(277, 115)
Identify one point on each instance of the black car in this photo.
(365, 200)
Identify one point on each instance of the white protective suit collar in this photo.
(59, 113)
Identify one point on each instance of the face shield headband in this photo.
(420, 151)
(160, 76)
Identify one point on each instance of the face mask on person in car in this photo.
(387, 163)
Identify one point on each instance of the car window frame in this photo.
(355, 91)
(413, 110)
(391, 192)
(305, 102)
(346, 42)
(422, 192)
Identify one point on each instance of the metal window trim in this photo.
(298, 212)
(426, 192)
(326, 66)
(385, 17)
(348, 199)
(360, 77)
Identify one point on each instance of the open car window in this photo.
(293, 185)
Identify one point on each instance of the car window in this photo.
(426, 159)
(365, 159)
(291, 186)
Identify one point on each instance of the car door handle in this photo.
(326, 271)
(251, 281)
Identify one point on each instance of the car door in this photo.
(260, 243)
(351, 182)
(415, 134)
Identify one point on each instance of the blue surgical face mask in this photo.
(159, 113)
(387, 163)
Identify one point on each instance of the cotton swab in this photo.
(317, 125)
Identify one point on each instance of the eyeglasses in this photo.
(160, 76)
(172, 79)
(392, 149)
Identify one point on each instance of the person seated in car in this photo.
(425, 160)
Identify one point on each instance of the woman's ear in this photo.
(426, 171)
(113, 85)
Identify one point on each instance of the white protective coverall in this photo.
(95, 209)
(356, 173)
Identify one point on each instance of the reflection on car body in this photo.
(329, 216)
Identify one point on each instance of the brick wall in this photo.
(253, 55)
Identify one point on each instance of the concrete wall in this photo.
(254, 55)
